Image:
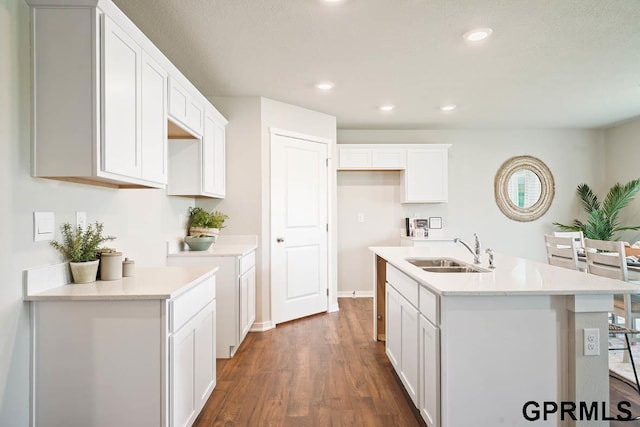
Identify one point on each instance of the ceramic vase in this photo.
(84, 272)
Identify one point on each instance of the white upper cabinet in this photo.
(426, 177)
(197, 165)
(154, 120)
(371, 157)
(184, 109)
(121, 102)
(424, 167)
(102, 98)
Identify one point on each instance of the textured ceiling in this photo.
(548, 64)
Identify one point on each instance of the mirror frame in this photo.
(548, 188)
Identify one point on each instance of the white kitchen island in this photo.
(473, 348)
(139, 351)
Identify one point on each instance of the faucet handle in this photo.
(490, 253)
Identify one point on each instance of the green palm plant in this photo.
(603, 222)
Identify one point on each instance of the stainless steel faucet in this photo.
(476, 251)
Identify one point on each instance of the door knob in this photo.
(280, 239)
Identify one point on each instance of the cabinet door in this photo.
(205, 355)
(182, 368)
(154, 121)
(393, 330)
(184, 109)
(121, 93)
(354, 158)
(247, 301)
(409, 348)
(213, 158)
(383, 158)
(426, 176)
(429, 358)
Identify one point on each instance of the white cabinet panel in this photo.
(182, 377)
(354, 158)
(426, 177)
(429, 358)
(409, 348)
(393, 331)
(388, 158)
(184, 109)
(371, 157)
(205, 356)
(247, 301)
(122, 59)
(213, 152)
(154, 120)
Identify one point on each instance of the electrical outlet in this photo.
(360, 217)
(81, 220)
(591, 342)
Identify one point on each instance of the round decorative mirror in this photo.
(524, 188)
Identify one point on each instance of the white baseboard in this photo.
(262, 326)
(333, 308)
(355, 294)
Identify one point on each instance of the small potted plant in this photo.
(82, 249)
(203, 227)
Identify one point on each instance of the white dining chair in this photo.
(578, 236)
(562, 251)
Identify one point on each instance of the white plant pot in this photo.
(84, 272)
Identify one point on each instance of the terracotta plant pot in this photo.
(84, 272)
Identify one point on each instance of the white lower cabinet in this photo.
(402, 340)
(429, 360)
(247, 301)
(193, 366)
(413, 341)
(124, 362)
(236, 295)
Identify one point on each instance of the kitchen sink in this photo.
(445, 265)
(436, 262)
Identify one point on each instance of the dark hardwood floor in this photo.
(621, 391)
(324, 370)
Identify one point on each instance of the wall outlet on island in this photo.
(591, 342)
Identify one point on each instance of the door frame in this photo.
(331, 285)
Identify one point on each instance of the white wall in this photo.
(574, 156)
(143, 220)
(248, 174)
(622, 165)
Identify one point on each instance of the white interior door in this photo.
(299, 276)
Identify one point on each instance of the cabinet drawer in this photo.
(247, 261)
(406, 286)
(429, 306)
(187, 305)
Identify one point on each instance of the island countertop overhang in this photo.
(512, 275)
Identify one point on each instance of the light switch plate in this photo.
(43, 226)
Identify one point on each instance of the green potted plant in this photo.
(203, 227)
(603, 222)
(82, 249)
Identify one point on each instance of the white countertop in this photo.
(224, 246)
(512, 275)
(148, 283)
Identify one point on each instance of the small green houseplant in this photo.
(205, 223)
(203, 228)
(603, 222)
(82, 249)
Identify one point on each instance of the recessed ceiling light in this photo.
(387, 107)
(477, 34)
(325, 85)
(333, 1)
(449, 107)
